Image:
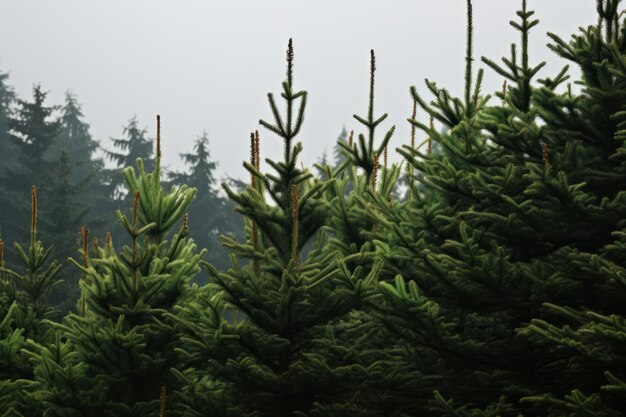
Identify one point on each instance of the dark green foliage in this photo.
(277, 356)
(495, 287)
(583, 329)
(364, 155)
(494, 240)
(119, 349)
(24, 307)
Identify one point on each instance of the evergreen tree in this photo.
(8, 150)
(65, 212)
(273, 359)
(583, 327)
(349, 226)
(33, 130)
(519, 198)
(24, 307)
(134, 145)
(211, 214)
(7, 99)
(74, 137)
(113, 357)
(89, 179)
(338, 155)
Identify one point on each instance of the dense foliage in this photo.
(485, 275)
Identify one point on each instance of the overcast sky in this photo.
(209, 64)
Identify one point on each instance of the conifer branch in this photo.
(290, 63)
(524, 37)
(504, 87)
(295, 253)
(33, 213)
(430, 138)
(385, 158)
(253, 159)
(469, 57)
(134, 238)
(162, 399)
(413, 127)
(185, 227)
(158, 139)
(84, 233)
(257, 151)
(375, 172)
(370, 109)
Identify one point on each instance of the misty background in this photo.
(208, 65)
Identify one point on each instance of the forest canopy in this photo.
(484, 275)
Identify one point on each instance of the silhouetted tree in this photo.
(211, 215)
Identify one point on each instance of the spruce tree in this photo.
(75, 138)
(134, 145)
(273, 358)
(583, 327)
(66, 210)
(24, 307)
(458, 298)
(361, 175)
(212, 214)
(33, 129)
(9, 152)
(516, 202)
(338, 155)
(113, 357)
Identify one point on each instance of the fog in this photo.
(209, 65)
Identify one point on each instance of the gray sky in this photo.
(209, 64)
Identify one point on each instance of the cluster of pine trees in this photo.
(51, 147)
(494, 285)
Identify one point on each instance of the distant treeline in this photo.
(51, 147)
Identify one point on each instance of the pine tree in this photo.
(273, 358)
(212, 214)
(114, 355)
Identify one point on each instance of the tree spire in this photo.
(469, 57)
